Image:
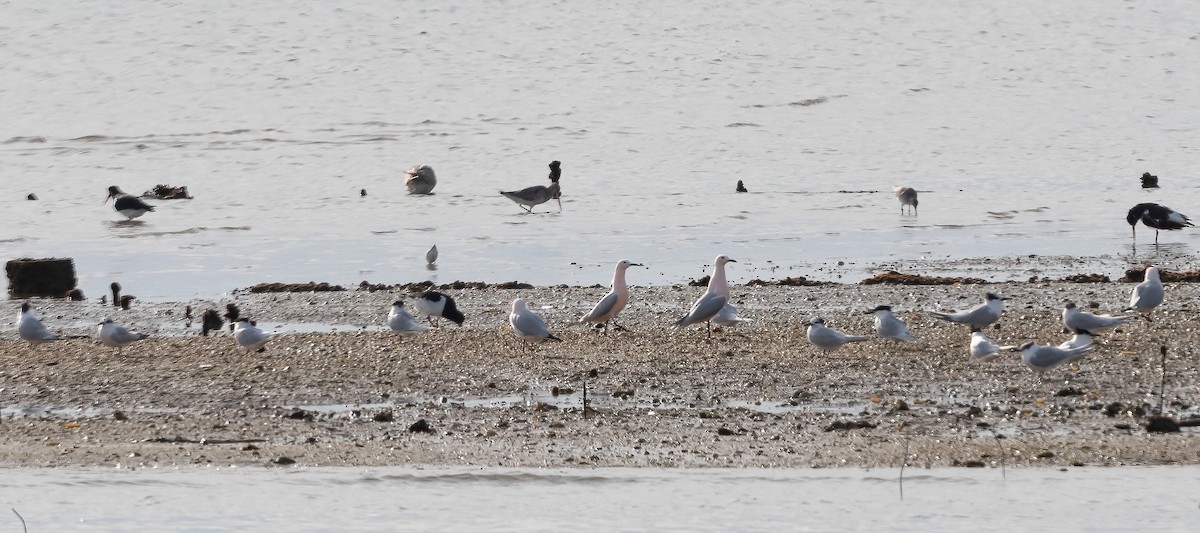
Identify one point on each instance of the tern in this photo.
(403, 323)
(1081, 338)
(982, 348)
(827, 338)
(890, 327)
(611, 305)
(116, 336)
(1075, 320)
(980, 316)
(728, 317)
(31, 329)
(713, 300)
(249, 336)
(530, 197)
(1042, 358)
(1156, 216)
(127, 205)
(528, 325)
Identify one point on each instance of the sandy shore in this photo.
(337, 389)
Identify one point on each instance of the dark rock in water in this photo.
(50, 278)
(1149, 181)
(283, 460)
(420, 426)
(1162, 424)
(31, 196)
(167, 192)
(385, 416)
(75, 295)
(741, 187)
(362, 192)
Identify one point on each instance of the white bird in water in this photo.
(528, 325)
(1042, 358)
(1156, 216)
(419, 179)
(827, 338)
(728, 317)
(983, 349)
(1148, 294)
(435, 305)
(127, 205)
(611, 305)
(907, 196)
(403, 323)
(530, 197)
(1075, 319)
(890, 327)
(713, 299)
(431, 255)
(29, 328)
(980, 316)
(116, 336)
(1080, 339)
(250, 337)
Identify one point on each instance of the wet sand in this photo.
(346, 391)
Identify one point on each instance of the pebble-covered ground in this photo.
(335, 388)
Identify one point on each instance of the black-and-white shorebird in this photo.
(1077, 320)
(982, 348)
(1042, 358)
(980, 316)
(888, 326)
(403, 323)
(31, 329)
(434, 305)
(528, 325)
(127, 205)
(419, 179)
(907, 196)
(827, 338)
(1156, 216)
(250, 337)
(530, 197)
(116, 336)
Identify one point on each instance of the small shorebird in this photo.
(890, 327)
(611, 305)
(115, 336)
(127, 205)
(827, 338)
(980, 316)
(434, 305)
(1076, 320)
(432, 255)
(528, 325)
(907, 196)
(1081, 338)
(249, 336)
(728, 317)
(713, 299)
(1148, 294)
(31, 329)
(529, 197)
(1156, 216)
(403, 323)
(982, 348)
(419, 179)
(1042, 358)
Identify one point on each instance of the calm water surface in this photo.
(497, 499)
(1025, 125)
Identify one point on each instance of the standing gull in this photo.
(31, 329)
(250, 337)
(1156, 216)
(527, 324)
(1148, 294)
(419, 179)
(127, 205)
(1075, 319)
(435, 305)
(611, 305)
(529, 197)
(713, 299)
(907, 196)
(890, 327)
(980, 316)
(403, 323)
(116, 336)
(827, 338)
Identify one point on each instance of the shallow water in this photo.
(502, 499)
(1024, 126)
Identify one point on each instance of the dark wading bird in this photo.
(1156, 216)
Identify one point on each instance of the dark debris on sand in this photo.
(895, 278)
